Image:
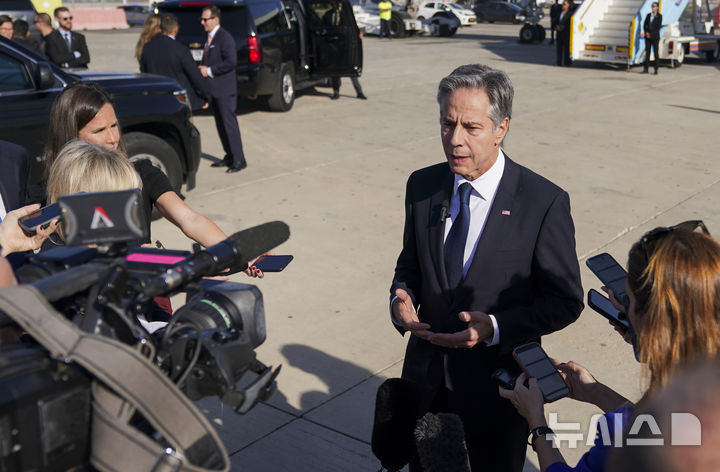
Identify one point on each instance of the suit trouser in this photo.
(228, 129)
(385, 28)
(563, 50)
(654, 43)
(356, 83)
(495, 434)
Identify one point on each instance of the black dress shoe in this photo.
(221, 163)
(235, 168)
(362, 96)
(335, 96)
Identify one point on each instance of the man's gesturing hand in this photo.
(404, 313)
(479, 328)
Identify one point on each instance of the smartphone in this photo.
(611, 274)
(273, 263)
(600, 303)
(39, 218)
(535, 363)
(503, 378)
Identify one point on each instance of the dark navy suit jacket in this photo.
(165, 56)
(222, 60)
(15, 166)
(56, 49)
(525, 272)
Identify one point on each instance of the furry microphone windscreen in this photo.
(440, 443)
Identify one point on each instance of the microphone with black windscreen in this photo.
(397, 407)
(440, 443)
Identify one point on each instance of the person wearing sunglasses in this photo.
(65, 47)
(673, 287)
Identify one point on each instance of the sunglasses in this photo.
(66, 18)
(658, 233)
(203, 20)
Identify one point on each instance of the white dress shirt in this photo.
(482, 196)
(212, 36)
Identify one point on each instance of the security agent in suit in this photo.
(469, 299)
(651, 27)
(563, 33)
(165, 56)
(65, 47)
(218, 64)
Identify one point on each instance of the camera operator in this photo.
(673, 286)
(84, 110)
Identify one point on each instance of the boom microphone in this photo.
(440, 442)
(238, 249)
(397, 407)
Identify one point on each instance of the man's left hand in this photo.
(203, 71)
(479, 328)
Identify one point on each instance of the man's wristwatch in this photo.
(536, 433)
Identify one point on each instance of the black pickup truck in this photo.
(153, 112)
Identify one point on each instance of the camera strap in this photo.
(126, 382)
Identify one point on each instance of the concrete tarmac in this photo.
(634, 151)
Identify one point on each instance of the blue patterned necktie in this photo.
(455, 242)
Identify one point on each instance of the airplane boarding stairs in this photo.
(610, 30)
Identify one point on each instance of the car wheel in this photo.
(397, 26)
(160, 154)
(680, 57)
(527, 34)
(284, 96)
(421, 18)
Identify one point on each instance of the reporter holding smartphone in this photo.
(673, 288)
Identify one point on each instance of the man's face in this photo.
(6, 29)
(469, 140)
(565, 6)
(209, 22)
(654, 9)
(64, 19)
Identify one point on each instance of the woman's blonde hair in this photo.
(677, 301)
(151, 28)
(84, 167)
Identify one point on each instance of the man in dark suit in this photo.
(653, 23)
(555, 12)
(65, 47)
(488, 263)
(218, 64)
(563, 33)
(165, 56)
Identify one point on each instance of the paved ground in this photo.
(634, 152)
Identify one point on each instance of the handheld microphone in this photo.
(238, 249)
(440, 442)
(444, 211)
(397, 407)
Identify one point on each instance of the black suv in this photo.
(153, 112)
(282, 45)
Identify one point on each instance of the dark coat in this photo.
(652, 28)
(15, 166)
(221, 57)
(56, 49)
(165, 56)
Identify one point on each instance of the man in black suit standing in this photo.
(218, 64)
(65, 47)
(488, 263)
(14, 177)
(563, 33)
(165, 56)
(653, 23)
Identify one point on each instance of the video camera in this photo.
(105, 283)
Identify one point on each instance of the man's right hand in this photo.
(405, 315)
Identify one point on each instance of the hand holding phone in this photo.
(39, 219)
(611, 274)
(535, 363)
(604, 306)
(273, 263)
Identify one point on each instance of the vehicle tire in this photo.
(681, 57)
(713, 55)
(452, 32)
(539, 33)
(284, 96)
(527, 33)
(158, 152)
(421, 18)
(397, 26)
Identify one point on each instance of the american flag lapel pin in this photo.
(506, 213)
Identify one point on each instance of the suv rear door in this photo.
(335, 49)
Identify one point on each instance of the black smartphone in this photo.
(273, 263)
(39, 218)
(503, 378)
(600, 303)
(535, 363)
(611, 274)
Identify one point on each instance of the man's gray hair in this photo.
(496, 84)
